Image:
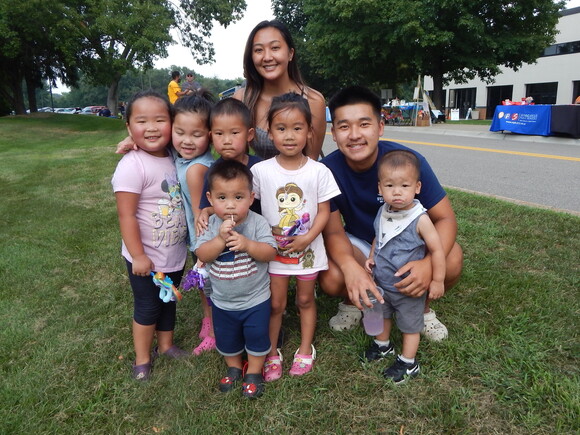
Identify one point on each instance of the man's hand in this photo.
(418, 280)
(358, 281)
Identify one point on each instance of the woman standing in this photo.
(271, 69)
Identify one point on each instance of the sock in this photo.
(383, 343)
(407, 360)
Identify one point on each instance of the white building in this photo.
(554, 79)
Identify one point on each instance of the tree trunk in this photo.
(438, 98)
(31, 90)
(113, 96)
(17, 98)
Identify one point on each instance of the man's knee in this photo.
(331, 281)
(454, 266)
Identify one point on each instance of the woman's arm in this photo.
(318, 108)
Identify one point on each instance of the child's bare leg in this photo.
(207, 313)
(234, 361)
(386, 334)
(164, 340)
(279, 289)
(255, 364)
(142, 341)
(410, 345)
(307, 305)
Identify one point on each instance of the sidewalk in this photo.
(471, 130)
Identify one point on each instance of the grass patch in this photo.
(509, 366)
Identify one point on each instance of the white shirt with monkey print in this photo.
(289, 201)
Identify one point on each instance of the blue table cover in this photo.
(533, 120)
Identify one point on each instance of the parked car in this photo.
(68, 110)
(91, 110)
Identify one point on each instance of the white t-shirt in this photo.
(160, 211)
(289, 200)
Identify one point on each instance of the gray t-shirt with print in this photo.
(238, 281)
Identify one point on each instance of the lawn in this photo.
(510, 364)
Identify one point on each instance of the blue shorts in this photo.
(236, 331)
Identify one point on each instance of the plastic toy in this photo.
(195, 279)
(167, 291)
(295, 229)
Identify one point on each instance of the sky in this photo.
(229, 44)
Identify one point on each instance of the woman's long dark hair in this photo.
(254, 81)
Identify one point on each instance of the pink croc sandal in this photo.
(206, 345)
(273, 367)
(302, 363)
(205, 327)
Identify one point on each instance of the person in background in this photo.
(190, 84)
(271, 69)
(173, 89)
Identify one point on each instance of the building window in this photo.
(564, 48)
(542, 93)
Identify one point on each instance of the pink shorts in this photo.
(307, 277)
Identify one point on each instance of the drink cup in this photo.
(373, 317)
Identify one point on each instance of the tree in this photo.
(104, 38)
(119, 35)
(31, 48)
(385, 42)
(457, 40)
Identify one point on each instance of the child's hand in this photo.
(436, 289)
(236, 242)
(297, 243)
(226, 230)
(126, 145)
(142, 265)
(201, 222)
(369, 265)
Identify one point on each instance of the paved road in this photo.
(536, 170)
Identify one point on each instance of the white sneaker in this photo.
(348, 317)
(433, 330)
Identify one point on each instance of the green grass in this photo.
(509, 366)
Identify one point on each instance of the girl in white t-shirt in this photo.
(153, 226)
(294, 193)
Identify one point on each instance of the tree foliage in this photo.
(385, 42)
(103, 38)
(88, 94)
(31, 48)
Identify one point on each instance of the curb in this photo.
(486, 134)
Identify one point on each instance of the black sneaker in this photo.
(253, 386)
(376, 352)
(400, 371)
(229, 381)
